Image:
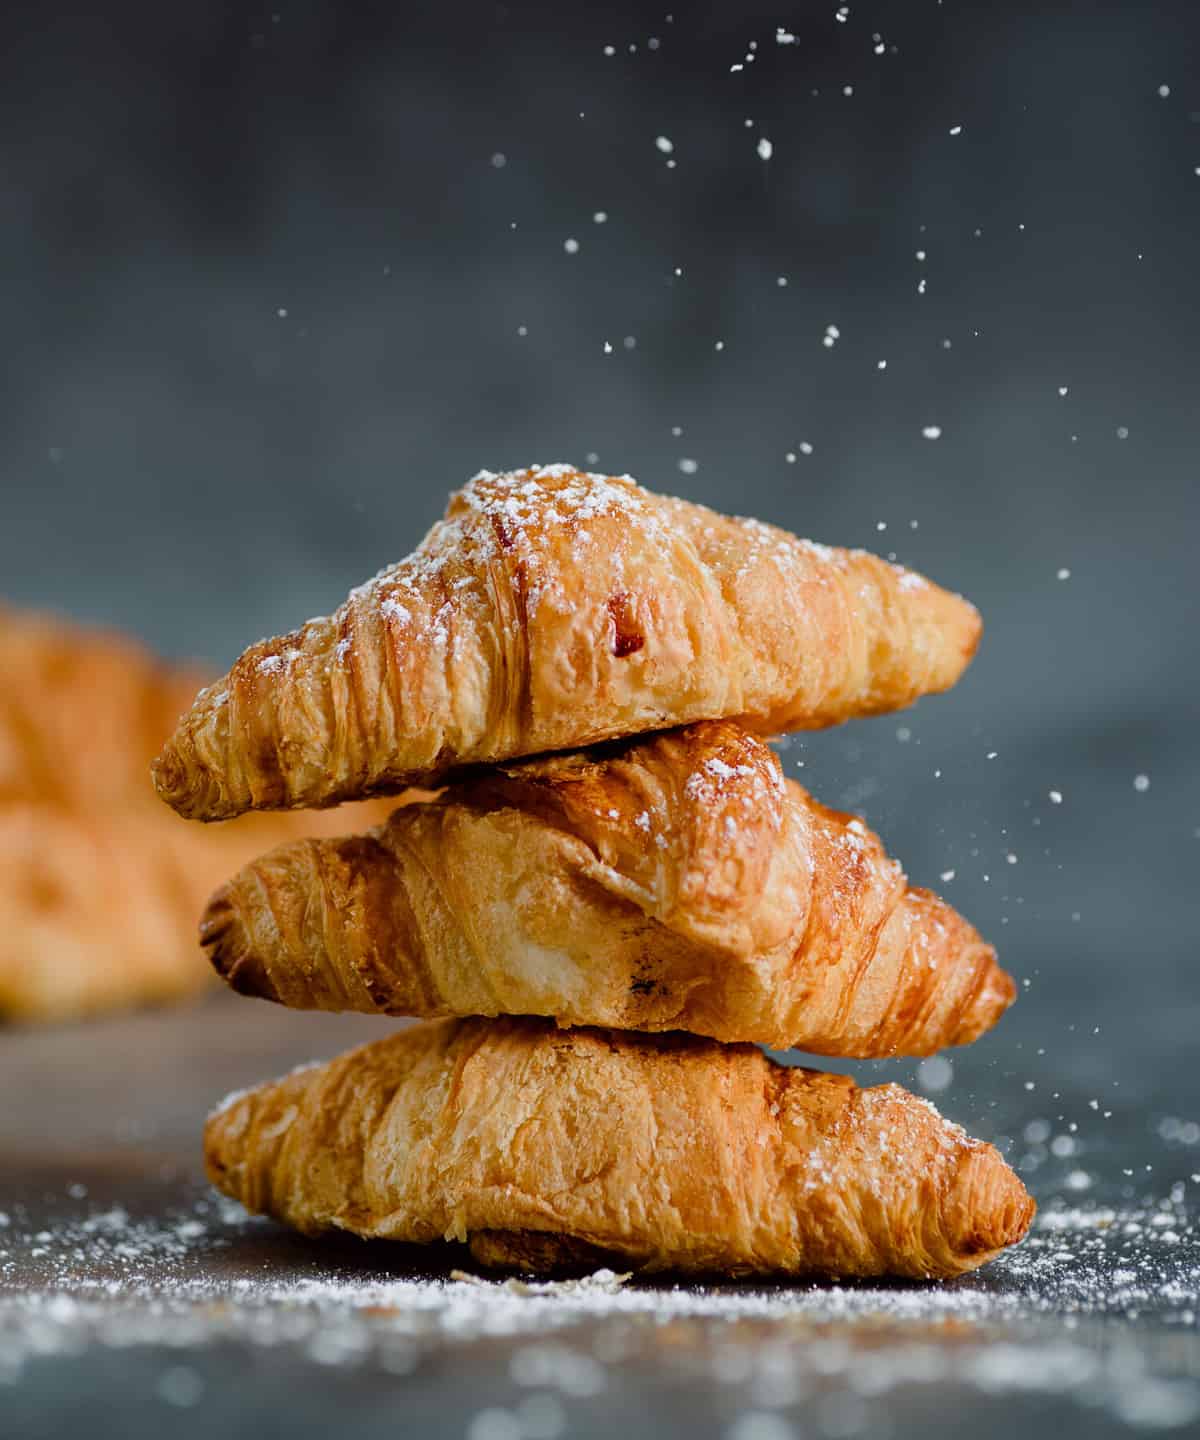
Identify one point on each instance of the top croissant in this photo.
(548, 610)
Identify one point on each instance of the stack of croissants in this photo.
(601, 937)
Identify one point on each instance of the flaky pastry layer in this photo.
(671, 882)
(549, 610)
(543, 1147)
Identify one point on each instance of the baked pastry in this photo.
(676, 881)
(82, 712)
(543, 1147)
(99, 885)
(551, 609)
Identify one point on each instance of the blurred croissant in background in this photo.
(100, 885)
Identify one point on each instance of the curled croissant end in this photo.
(545, 1148)
(671, 882)
(548, 610)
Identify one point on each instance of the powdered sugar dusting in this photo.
(235, 1097)
(392, 609)
(1020, 1327)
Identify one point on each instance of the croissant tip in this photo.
(167, 774)
(229, 950)
(993, 998)
(224, 1134)
(987, 1207)
(177, 786)
(1003, 989)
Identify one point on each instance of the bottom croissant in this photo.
(549, 1149)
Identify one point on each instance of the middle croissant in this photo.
(671, 882)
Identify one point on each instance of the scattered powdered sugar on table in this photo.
(1048, 1318)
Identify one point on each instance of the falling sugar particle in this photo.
(664, 144)
(1056, 797)
(790, 457)
(765, 149)
(720, 345)
(956, 129)
(903, 734)
(282, 313)
(1164, 91)
(935, 1074)
(921, 286)
(1122, 432)
(842, 14)
(759, 1425)
(805, 448)
(1011, 858)
(571, 245)
(881, 524)
(522, 329)
(991, 754)
(932, 432)
(600, 217)
(947, 876)
(493, 1423)
(881, 365)
(847, 90)
(1141, 783)
(610, 50)
(608, 350)
(677, 430)
(784, 37)
(499, 160)
(1063, 573)
(921, 256)
(1062, 390)
(180, 1386)
(630, 342)
(781, 280)
(688, 466)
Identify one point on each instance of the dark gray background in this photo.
(182, 458)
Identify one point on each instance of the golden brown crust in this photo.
(99, 885)
(673, 882)
(550, 610)
(667, 1152)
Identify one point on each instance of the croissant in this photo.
(672, 882)
(549, 610)
(99, 885)
(543, 1147)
